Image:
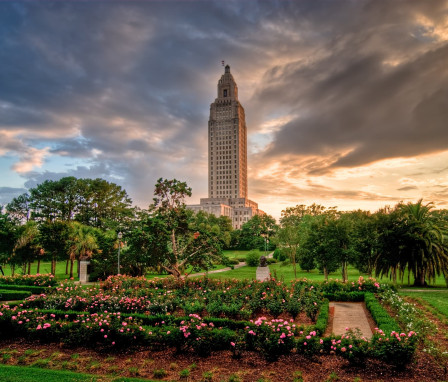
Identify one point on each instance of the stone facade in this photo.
(227, 152)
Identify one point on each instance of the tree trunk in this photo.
(66, 267)
(325, 273)
(53, 266)
(71, 268)
(29, 268)
(420, 278)
(13, 268)
(78, 266)
(344, 271)
(38, 266)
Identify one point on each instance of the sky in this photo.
(346, 101)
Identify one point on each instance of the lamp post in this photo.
(120, 235)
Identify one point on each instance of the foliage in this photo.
(115, 316)
(413, 239)
(396, 348)
(39, 280)
(169, 238)
(272, 338)
(255, 233)
(6, 295)
(253, 259)
(279, 254)
(93, 202)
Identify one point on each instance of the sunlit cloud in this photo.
(345, 102)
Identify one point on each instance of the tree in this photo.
(413, 240)
(54, 236)
(168, 237)
(19, 208)
(8, 237)
(27, 246)
(255, 231)
(365, 236)
(290, 238)
(81, 244)
(291, 235)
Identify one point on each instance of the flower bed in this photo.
(37, 280)
(202, 316)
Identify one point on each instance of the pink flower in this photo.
(233, 344)
(105, 336)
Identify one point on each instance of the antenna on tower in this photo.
(222, 62)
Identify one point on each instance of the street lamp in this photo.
(120, 235)
(265, 236)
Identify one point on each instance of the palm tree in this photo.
(424, 252)
(27, 245)
(83, 243)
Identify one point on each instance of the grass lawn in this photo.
(284, 272)
(437, 298)
(45, 267)
(31, 374)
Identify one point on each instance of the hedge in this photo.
(6, 295)
(383, 320)
(30, 288)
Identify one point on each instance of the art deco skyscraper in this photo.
(227, 175)
(227, 158)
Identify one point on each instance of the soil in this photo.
(250, 367)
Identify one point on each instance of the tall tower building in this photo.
(227, 142)
(227, 157)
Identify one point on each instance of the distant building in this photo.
(227, 157)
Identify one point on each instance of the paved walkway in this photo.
(350, 315)
(239, 265)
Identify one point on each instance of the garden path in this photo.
(239, 265)
(350, 315)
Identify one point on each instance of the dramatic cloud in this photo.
(344, 100)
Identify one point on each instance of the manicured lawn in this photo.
(45, 267)
(284, 272)
(438, 299)
(31, 374)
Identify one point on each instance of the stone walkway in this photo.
(350, 315)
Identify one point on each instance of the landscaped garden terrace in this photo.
(203, 317)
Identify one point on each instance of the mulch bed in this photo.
(250, 367)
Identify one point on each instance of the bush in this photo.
(353, 347)
(310, 344)
(272, 338)
(397, 349)
(253, 259)
(38, 280)
(280, 254)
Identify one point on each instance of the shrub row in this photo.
(30, 288)
(322, 319)
(344, 296)
(383, 320)
(6, 295)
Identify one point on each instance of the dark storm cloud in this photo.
(127, 85)
(378, 91)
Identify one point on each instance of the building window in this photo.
(225, 92)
